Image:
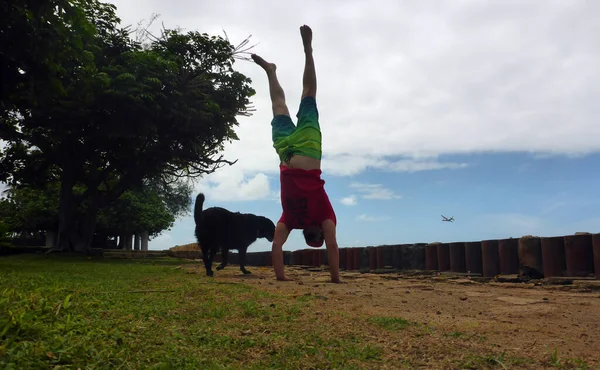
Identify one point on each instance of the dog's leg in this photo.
(207, 258)
(224, 254)
(243, 261)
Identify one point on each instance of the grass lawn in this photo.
(72, 312)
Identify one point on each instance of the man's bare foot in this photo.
(269, 67)
(306, 34)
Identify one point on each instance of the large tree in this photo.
(153, 208)
(115, 112)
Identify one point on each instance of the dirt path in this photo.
(525, 320)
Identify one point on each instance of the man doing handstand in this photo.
(304, 201)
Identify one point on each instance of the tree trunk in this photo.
(136, 242)
(129, 241)
(75, 236)
(50, 239)
(66, 211)
(145, 241)
(125, 241)
(85, 233)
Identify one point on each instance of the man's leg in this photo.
(282, 125)
(275, 89)
(309, 79)
(308, 133)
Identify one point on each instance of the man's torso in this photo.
(304, 162)
(303, 197)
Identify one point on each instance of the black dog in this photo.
(217, 227)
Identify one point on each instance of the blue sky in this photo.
(484, 110)
(487, 111)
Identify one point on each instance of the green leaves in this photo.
(153, 208)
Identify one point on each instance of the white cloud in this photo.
(230, 184)
(349, 164)
(404, 83)
(368, 218)
(374, 191)
(412, 165)
(349, 200)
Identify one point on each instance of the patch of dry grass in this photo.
(186, 247)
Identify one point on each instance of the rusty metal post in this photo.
(372, 258)
(490, 258)
(530, 256)
(579, 255)
(457, 257)
(307, 257)
(388, 256)
(443, 257)
(357, 258)
(431, 257)
(317, 258)
(268, 258)
(379, 253)
(350, 259)
(364, 259)
(342, 253)
(553, 256)
(473, 259)
(397, 257)
(508, 251)
(596, 248)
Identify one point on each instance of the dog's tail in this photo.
(198, 209)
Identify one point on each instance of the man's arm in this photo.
(281, 235)
(333, 255)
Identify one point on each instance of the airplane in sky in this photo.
(446, 219)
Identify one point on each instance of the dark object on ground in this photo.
(218, 227)
(19, 249)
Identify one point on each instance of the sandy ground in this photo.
(527, 320)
